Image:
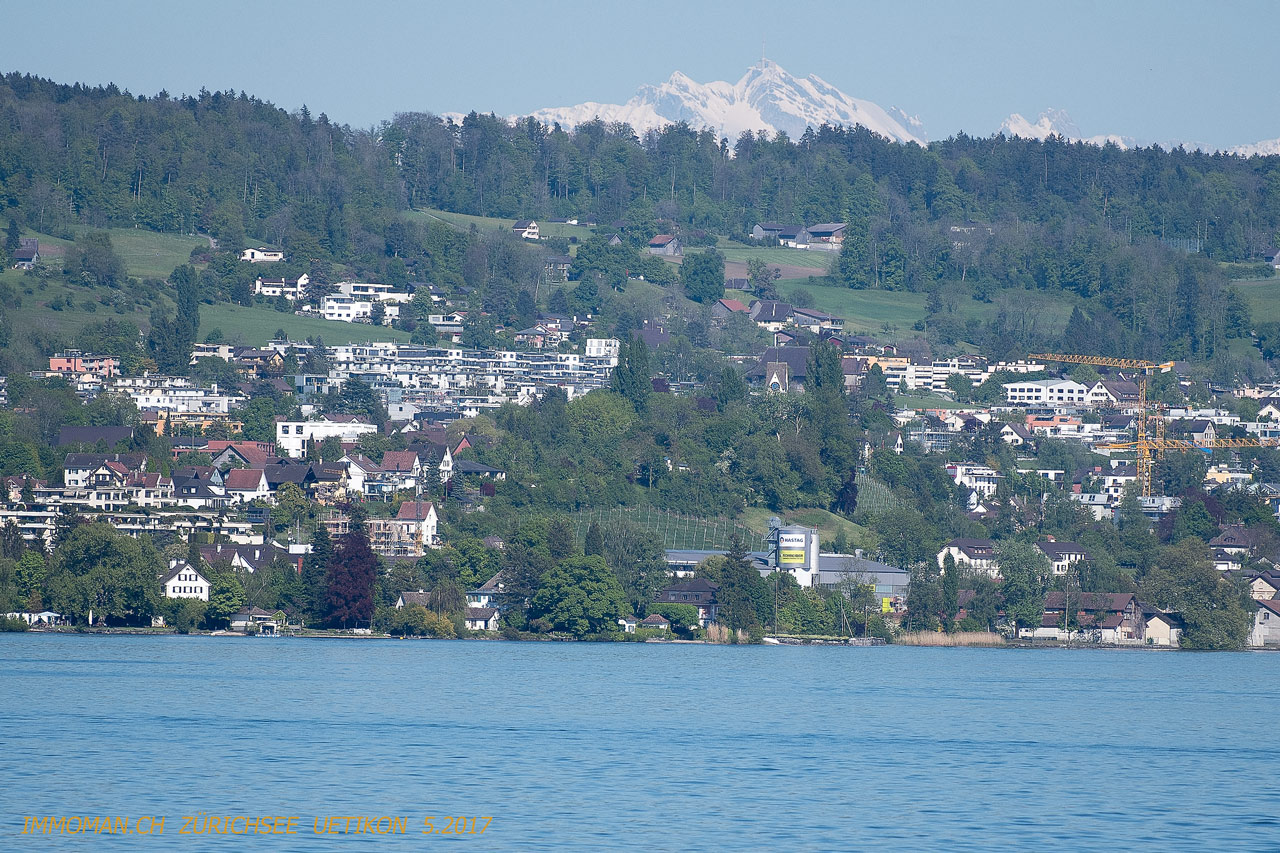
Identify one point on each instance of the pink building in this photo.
(74, 361)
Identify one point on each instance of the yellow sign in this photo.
(886, 605)
(791, 549)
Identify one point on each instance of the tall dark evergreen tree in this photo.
(11, 238)
(187, 294)
(561, 541)
(950, 591)
(593, 544)
(315, 572)
(522, 570)
(741, 588)
(631, 378)
(847, 498)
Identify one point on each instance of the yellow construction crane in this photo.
(1146, 368)
(1149, 449)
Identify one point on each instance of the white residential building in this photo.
(978, 478)
(276, 287)
(261, 255)
(292, 437)
(1266, 624)
(606, 348)
(409, 534)
(226, 352)
(467, 381)
(185, 581)
(348, 309)
(175, 394)
(372, 291)
(1046, 392)
(977, 554)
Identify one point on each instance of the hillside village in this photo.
(384, 436)
(568, 361)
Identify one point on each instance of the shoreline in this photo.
(770, 640)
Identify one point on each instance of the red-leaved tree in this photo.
(352, 574)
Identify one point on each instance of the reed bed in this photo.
(937, 638)
(720, 634)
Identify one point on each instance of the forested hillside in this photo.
(225, 164)
(1134, 238)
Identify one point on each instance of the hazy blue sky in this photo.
(1155, 69)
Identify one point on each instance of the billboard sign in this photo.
(792, 549)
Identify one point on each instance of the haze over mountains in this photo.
(770, 98)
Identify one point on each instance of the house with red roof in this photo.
(666, 244)
(246, 484)
(724, 308)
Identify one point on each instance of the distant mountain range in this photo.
(771, 99)
(1057, 122)
(766, 98)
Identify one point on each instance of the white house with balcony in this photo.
(372, 291)
(976, 554)
(273, 288)
(603, 348)
(348, 309)
(978, 478)
(175, 394)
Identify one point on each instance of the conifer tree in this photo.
(593, 544)
(315, 569)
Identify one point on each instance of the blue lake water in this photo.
(661, 747)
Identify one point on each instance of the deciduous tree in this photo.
(581, 596)
(350, 581)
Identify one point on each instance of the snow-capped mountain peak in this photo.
(766, 98)
(1264, 148)
(1053, 122)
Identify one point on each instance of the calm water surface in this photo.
(627, 746)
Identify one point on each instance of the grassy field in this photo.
(870, 310)
(672, 530)
(828, 524)
(1263, 298)
(146, 254)
(256, 326)
(930, 401)
(777, 256)
(35, 315)
(464, 221)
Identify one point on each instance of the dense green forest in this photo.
(225, 162)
